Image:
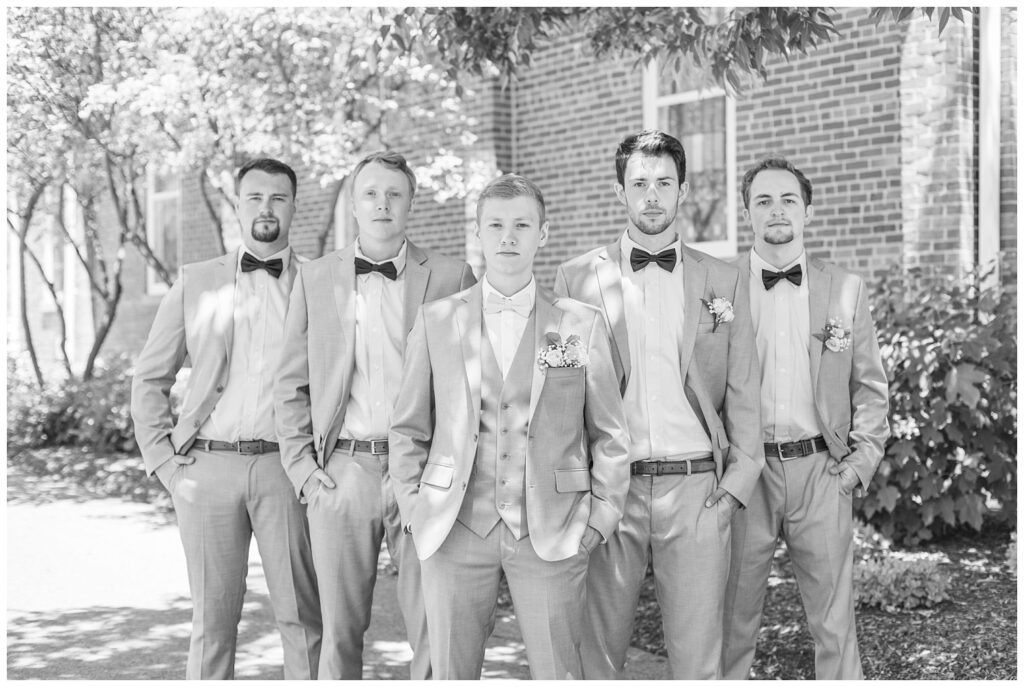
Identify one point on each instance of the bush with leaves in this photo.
(949, 346)
(892, 583)
(94, 414)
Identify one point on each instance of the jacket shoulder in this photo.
(441, 261)
(836, 272)
(582, 262)
(577, 308)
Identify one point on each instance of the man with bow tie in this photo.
(509, 449)
(824, 408)
(336, 389)
(220, 461)
(684, 356)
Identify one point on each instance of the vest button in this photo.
(220, 389)
(501, 506)
(504, 430)
(504, 482)
(504, 456)
(505, 406)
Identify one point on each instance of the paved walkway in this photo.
(96, 589)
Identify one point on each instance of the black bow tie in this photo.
(795, 274)
(273, 267)
(387, 269)
(639, 259)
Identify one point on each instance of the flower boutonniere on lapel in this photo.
(721, 308)
(558, 353)
(836, 337)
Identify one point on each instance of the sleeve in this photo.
(155, 370)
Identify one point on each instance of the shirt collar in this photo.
(527, 294)
(285, 254)
(757, 263)
(626, 246)
(398, 261)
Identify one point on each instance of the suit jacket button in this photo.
(196, 424)
(463, 485)
(220, 389)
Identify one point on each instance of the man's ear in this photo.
(684, 189)
(620, 193)
(808, 213)
(543, 234)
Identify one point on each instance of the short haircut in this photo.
(391, 160)
(775, 162)
(509, 186)
(270, 166)
(653, 143)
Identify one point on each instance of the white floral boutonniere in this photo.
(835, 336)
(558, 353)
(721, 308)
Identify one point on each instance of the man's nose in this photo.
(508, 238)
(651, 196)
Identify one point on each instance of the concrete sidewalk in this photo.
(96, 589)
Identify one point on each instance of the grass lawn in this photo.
(973, 636)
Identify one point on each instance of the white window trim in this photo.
(344, 222)
(154, 285)
(652, 102)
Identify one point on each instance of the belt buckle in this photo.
(785, 458)
(381, 442)
(238, 447)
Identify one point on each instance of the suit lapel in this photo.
(548, 320)
(469, 320)
(819, 283)
(225, 274)
(417, 274)
(343, 277)
(609, 280)
(695, 276)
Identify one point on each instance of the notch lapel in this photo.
(548, 319)
(819, 285)
(695, 277)
(609, 281)
(343, 278)
(417, 274)
(469, 320)
(225, 274)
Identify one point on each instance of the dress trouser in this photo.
(665, 521)
(346, 525)
(221, 500)
(460, 585)
(800, 500)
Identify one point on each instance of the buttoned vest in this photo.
(497, 485)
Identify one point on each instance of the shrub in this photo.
(893, 583)
(95, 414)
(1011, 554)
(950, 351)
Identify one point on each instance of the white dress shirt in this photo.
(505, 329)
(379, 350)
(781, 317)
(245, 410)
(662, 423)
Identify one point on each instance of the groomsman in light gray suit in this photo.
(337, 384)
(220, 461)
(509, 449)
(824, 406)
(685, 364)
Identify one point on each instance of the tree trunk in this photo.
(26, 327)
(214, 215)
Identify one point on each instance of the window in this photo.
(163, 225)
(344, 223)
(704, 119)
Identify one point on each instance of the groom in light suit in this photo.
(684, 358)
(509, 449)
(824, 401)
(220, 461)
(336, 387)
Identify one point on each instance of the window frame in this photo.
(154, 230)
(652, 104)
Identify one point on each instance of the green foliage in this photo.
(93, 414)
(892, 583)
(949, 346)
(1011, 554)
(899, 15)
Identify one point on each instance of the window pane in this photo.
(700, 126)
(166, 232)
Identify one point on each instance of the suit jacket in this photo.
(718, 364)
(314, 378)
(851, 391)
(577, 462)
(195, 320)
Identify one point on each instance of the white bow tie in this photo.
(520, 304)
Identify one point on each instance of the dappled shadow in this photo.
(104, 643)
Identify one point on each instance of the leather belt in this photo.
(254, 447)
(671, 467)
(375, 447)
(796, 449)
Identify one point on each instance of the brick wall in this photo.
(1008, 131)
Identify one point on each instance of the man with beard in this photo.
(336, 388)
(824, 407)
(684, 354)
(219, 460)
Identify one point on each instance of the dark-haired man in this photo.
(684, 356)
(509, 449)
(824, 407)
(337, 384)
(220, 461)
